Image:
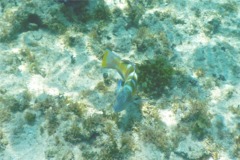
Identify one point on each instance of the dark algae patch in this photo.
(154, 75)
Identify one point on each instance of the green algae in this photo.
(236, 151)
(45, 103)
(155, 75)
(3, 141)
(74, 134)
(18, 103)
(102, 11)
(135, 13)
(144, 39)
(29, 57)
(154, 131)
(30, 117)
(77, 108)
(198, 119)
(127, 143)
(231, 7)
(52, 121)
(5, 115)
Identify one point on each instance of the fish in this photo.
(127, 87)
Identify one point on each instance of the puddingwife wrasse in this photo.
(126, 69)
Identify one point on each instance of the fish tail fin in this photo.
(110, 60)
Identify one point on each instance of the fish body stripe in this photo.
(132, 82)
(125, 68)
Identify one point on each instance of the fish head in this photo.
(123, 99)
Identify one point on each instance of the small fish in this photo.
(126, 69)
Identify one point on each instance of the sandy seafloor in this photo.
(55, 105)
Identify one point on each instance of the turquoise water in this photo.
(178, 61)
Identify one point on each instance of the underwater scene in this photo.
(119, 80)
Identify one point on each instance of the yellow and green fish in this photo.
(126, 69)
